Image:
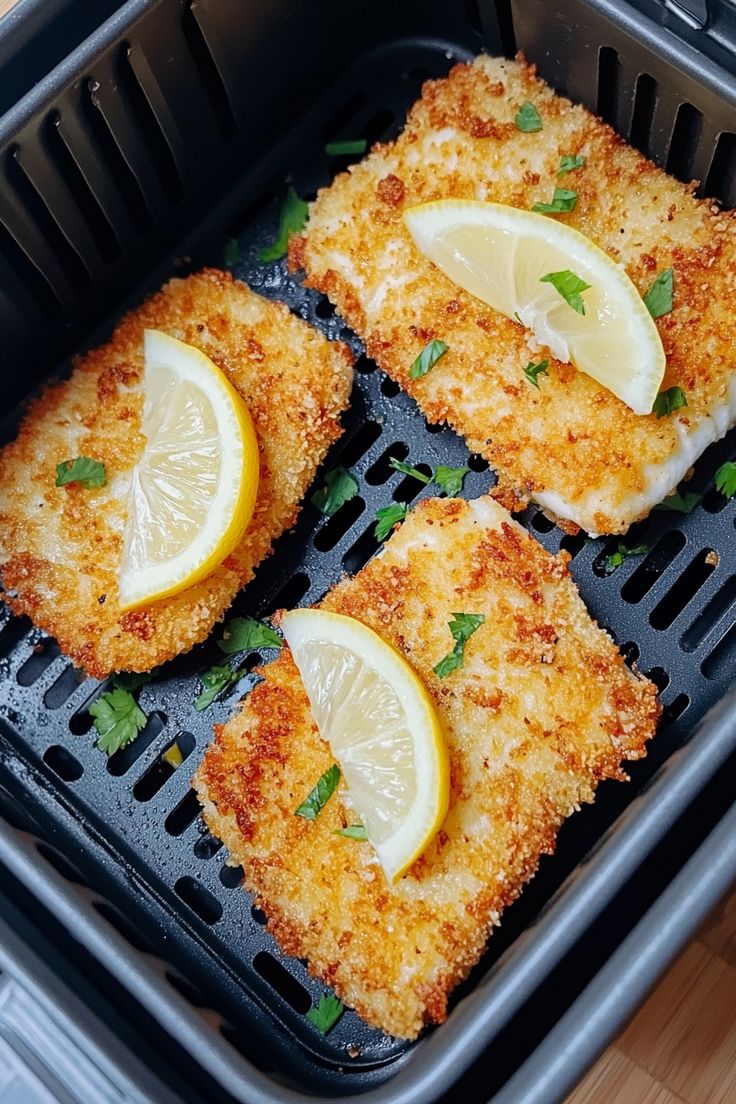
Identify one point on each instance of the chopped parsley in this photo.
(462, 627)
(658, 300)
(569, 286)
(346, 147)
(614, 559)
(245, 634)
(563, 200)
(231, 252)
(532, 371)
(215, 681)
(294, 215)
(450, 480)
(427, 359)
(569, 162)
(118, 719)
(681, 502)
(726, 479)
(527, 118)
(387, 517)
(668, 401)
(320, 794)
(88, 473)
(338, 488)
(407, 469)
(326, 1013)
(353, 831)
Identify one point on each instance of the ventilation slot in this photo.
(259, 916)
(720, 663)
(61, 863)
(573, 545)
(654, 565)
(718, 606)
(189, 991)
(184, 814)
(118, 168)
(12, 633)
(212, 84)
(381, 471)
(338, 525)
(684, 590)
(68, 681)
(343, 116)
(359, 443)
(124, 927)
(63, 763)
(167, 764)
(158, 148)
(645, 97)
(287, 987)
(477, 463)
(410, 486)
(659, 677)
(28, 275)
(231, 876)
(541, 523)
(364, 366)
(361, 551)
(630, 652)
(121, 761)
(90, 210)
(43, 656)
(389, 388)
(290, 594)
(673, 711)
(721, 180)
(199, 899)
(381, 125)
(324, 309)
(206, 847)
(684, 144)
(608, 82)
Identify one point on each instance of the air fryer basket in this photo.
(165, 120)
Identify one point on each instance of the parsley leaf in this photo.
(118, 719)
(450, 480)
(407, 469)
(346, 147)
(294, 215)
(527, 118)
(680, 502)
(462, 628)
(668, 401)
(532, 371)
(338, 488)
(82, 470)
(387, 517)
(427, 359)
(562, 200)
(245, 634)
(623, 552)
(231, 252)
(326, 1014)
(569, 162)
(726, 479)
(658, 300)
(353, 831)
(569, 286)
(214, 682)
(320, 794)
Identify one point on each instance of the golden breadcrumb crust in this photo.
(571, 438)
(542, 709)
(60, 547)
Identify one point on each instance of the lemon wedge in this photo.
(193, 490)
(382, 728)
(505, 256)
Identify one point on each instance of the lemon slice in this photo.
(500, 254)
(193, 490)
(382, 727)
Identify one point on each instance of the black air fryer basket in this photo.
(171, 131)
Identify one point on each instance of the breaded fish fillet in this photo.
(572, 446)
(60, 547)
(542, 709)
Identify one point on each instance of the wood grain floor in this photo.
(680, 1048)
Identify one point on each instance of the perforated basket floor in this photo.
(673, 611)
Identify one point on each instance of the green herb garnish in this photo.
(353, 831)
(231, 252)
(532, 371)
(726, 479)
(681, 502)
(215, 681)
(407, 469)
(427, 359)
(387, 517)
(88, 473)
(450, 480)
(623, 552)
(527, 118)
(118, 719)
(338, 488)
(569, 286)
(346, 147)
(462, 628)
(294, 215)
(569, 162)
(245, 634)
(563, 200)
(326, 1013)
(668, 401)
(320, 794)
(658, 300)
